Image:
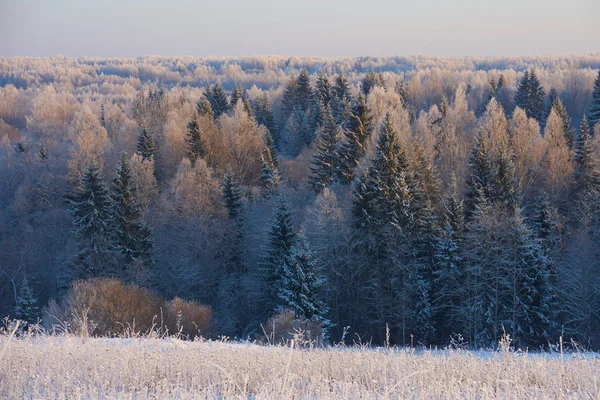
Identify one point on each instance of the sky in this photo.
(329, 28)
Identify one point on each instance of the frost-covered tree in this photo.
(304, 92)
(236, 95)
(269, 166)
(341, 99)
(562, 113)
(146, 146)
(90, 206)
(264, 117)
(356, 136)
(281, 238)
(27, 308)
(302, 283)
(594, 113)
(194, 141)
(133, 239)
(232, 194)
(325, 158)
(480, 175)
(587, 177)
(218, 100)
(323, 91)
(204, 108)
(530, 96)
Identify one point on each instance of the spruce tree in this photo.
(264, 117)
(236, 95)
(90, 206)
(232, 195)
(562, 113)
(219, 100)
(269, 166)
(480, 175)
(133, 239)
(587, 177)
(145, 145)
(369, 81)
(341, 99)
(281, 238)
(323, 91)
(325, 159)
(504, 188)
(290, 95)
(194, 143)
(356, 134)
(302, 283)
(304, 92)
(530, 97)
(594, 113)
(27, 308)
(203, 108)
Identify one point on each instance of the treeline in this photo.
(346, 202)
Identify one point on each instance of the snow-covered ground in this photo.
(73, 367)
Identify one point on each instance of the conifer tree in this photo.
(325, 159)
(90, 206)
(236, 95)
(102, 116)
(594, 113)
(562, 113)
(480, 175)
(302, 283)
(290, 95)
(323, 91)
(269, 165)
(27, 308)
(145, 145)
(264, 117)
(218, 100)
(281, 238)
(356, 135)
(402, 90)
(341, 99)
(232, 195)
(194, 142)
(133, 239)
(504, 179)
(369, 81)
(530, 97)
(203, 108)
(304, 92)
(587, 177)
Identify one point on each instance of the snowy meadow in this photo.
(76, 367)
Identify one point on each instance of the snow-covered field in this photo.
(73, 367)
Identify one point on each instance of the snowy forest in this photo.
(405, 200)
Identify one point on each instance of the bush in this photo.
(104, 307)
(187, 318)
(284, 326)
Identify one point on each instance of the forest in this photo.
(404, 200)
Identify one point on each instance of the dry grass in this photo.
(74, 367)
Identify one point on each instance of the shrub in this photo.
(282, 327)
(105, 307)
(187, 318)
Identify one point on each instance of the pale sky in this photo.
(333, 28)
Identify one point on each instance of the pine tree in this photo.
(302, 283)
(324, 161)
(219, 100)
(357, 134)
(145, 145)
(480, 175)
(27, 308)
(281, 238)
(194, 142)
(594, 113)
(90, 207)
(587, 177)
(133, 239)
